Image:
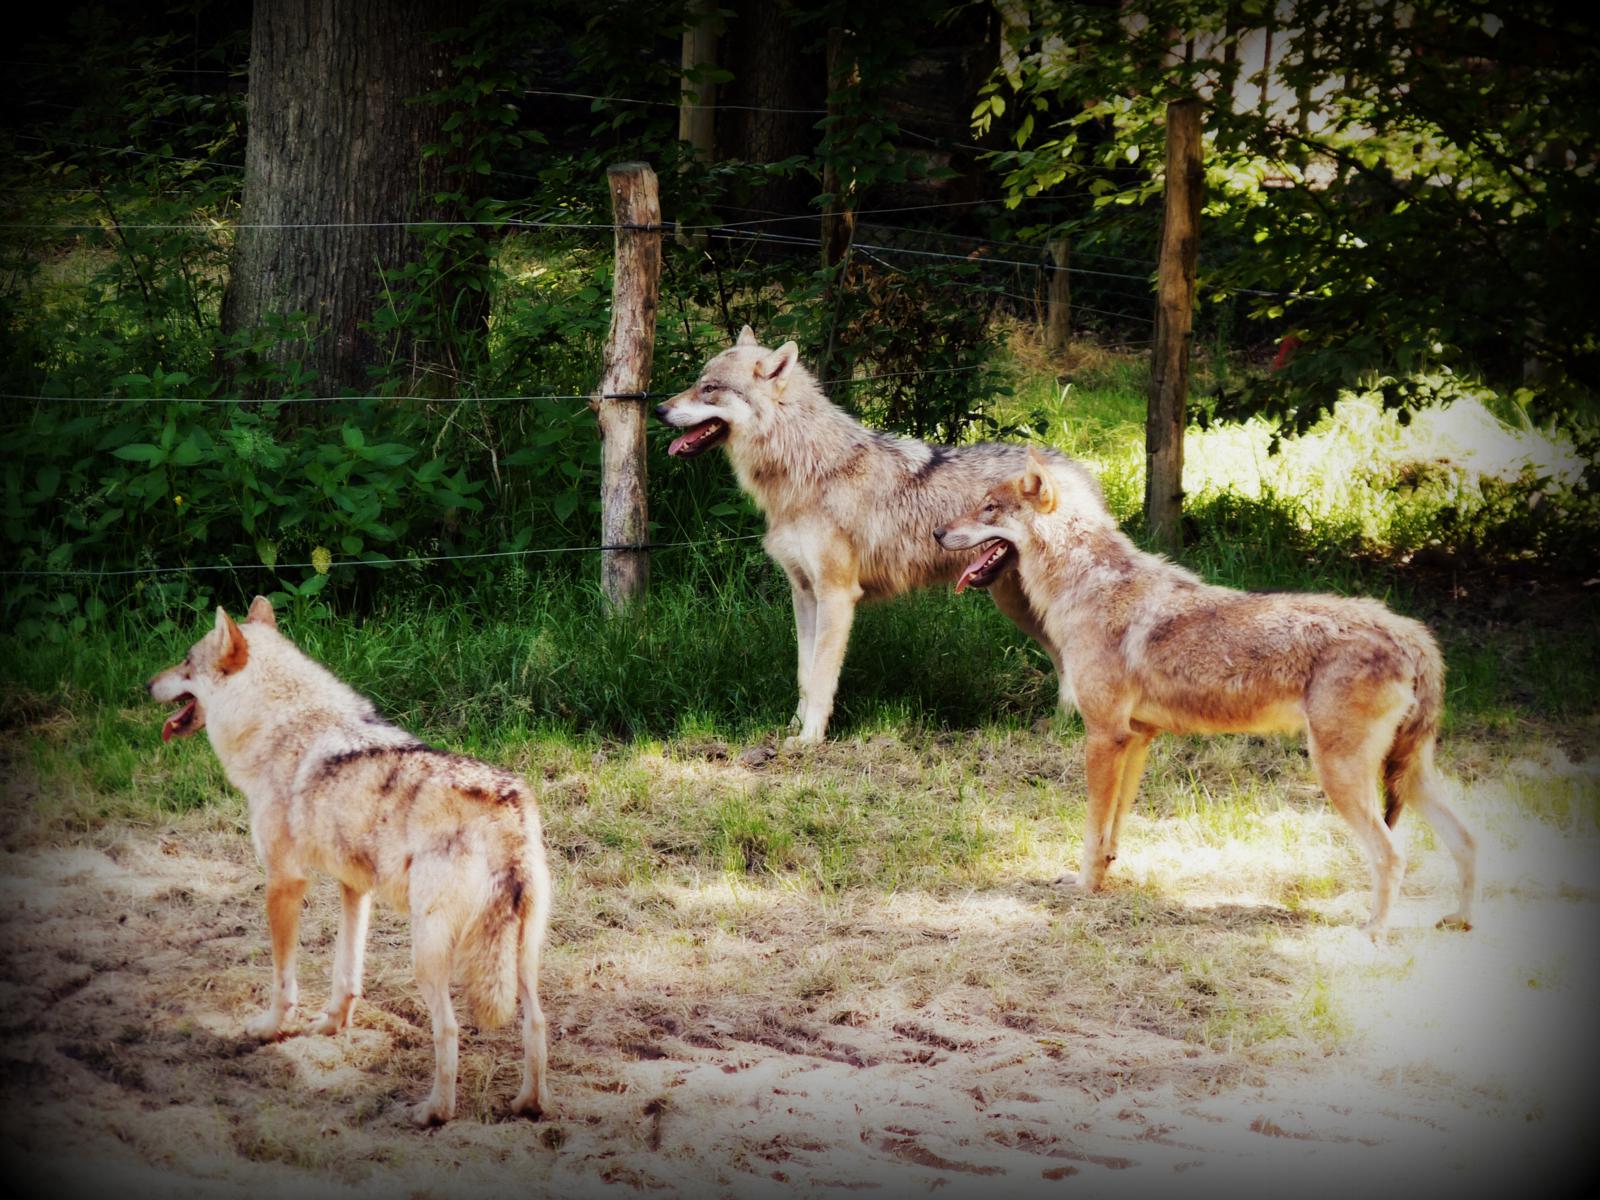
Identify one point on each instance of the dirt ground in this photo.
(704, 1044)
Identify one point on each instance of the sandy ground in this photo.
(130, 961)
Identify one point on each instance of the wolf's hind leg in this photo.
(1346, 761)
(531, 1099)
(431, 941)
(1423, 791)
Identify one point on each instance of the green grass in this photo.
(532, 663)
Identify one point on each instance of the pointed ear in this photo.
(747, 337)
(775, 367)
(235, 650)
(1036, 485)
(261, 612)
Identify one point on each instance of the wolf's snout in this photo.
(661, 412)
(938, 534)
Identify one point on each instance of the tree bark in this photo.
(332, 161)
(1058, 320)
(620, 404)
(698, 95)
(774, 82)
(838, 217)
(1169, 354)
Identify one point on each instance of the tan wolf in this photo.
(1147, 647)
(848, 509)
(333, 787)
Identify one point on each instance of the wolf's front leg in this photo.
(805, 637)
(835, 611)
(284, 894)
(1107, 752)
(349, 955)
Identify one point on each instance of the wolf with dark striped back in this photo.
(332, 787)
(849, 510)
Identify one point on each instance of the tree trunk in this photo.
(774, 84)
(838, 215)
(697, 111)
(1169, 355)
(1058, 322)
(333, 159)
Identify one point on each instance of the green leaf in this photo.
(140, 452)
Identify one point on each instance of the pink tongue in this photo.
(966, 576)
(174, 726)
(682, 440)
(976, 566)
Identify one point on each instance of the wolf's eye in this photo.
(989, 508)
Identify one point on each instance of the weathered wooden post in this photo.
(1169, 353)
(1058, 314)
(620, 402)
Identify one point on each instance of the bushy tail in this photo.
(490, 946)
(1411, 757)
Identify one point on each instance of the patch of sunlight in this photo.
(961, 913)
(1361, 465)
(1508, 1004)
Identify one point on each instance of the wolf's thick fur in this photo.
(333, 787)
(848, 509)
(1147, 647)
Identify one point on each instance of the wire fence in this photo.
(403, 560)
(766, 227)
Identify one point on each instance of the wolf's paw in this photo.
(1075, 881)
(526, 1104)
(329, 1023)
(802, 741)
(267, 1027)
(431, 1112)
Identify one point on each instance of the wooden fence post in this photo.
(1169, 353)
(620, 404)
(1058, 316)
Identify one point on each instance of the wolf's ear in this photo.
(747, 337)
(1036, 485)
(261, 612)
(775, 367)
(235, 650)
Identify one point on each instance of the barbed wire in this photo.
(404, 560)
(585, 396)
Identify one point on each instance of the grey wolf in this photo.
(332, 787)
(848, 509)
(1146, 646)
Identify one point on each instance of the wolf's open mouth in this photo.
(185, 721)
(699, 439)
(986, 568)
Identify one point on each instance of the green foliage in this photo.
(1410, 195)
(451, 463)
